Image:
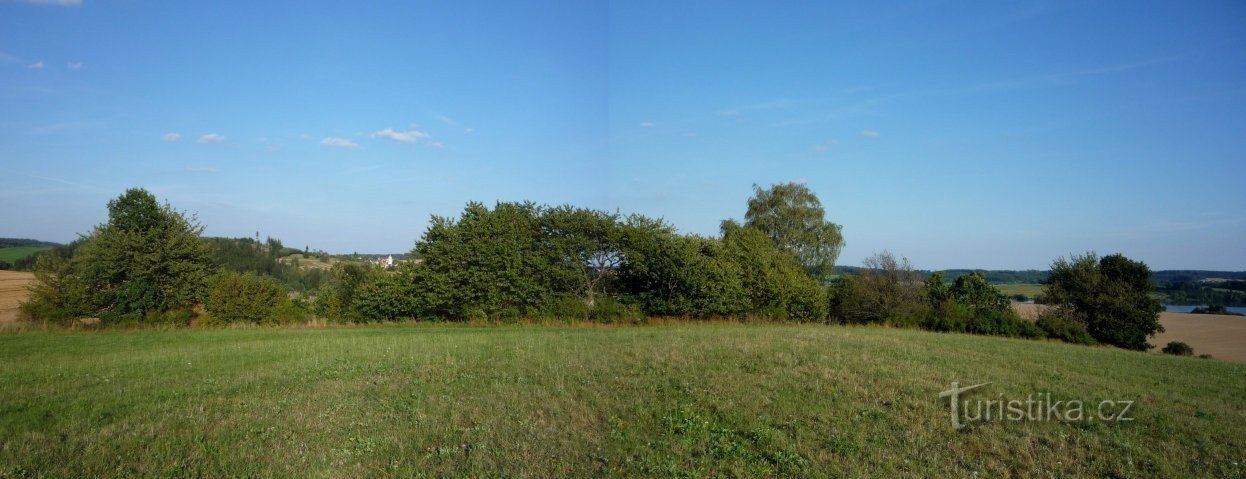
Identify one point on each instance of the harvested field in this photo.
(12, 292)
(1222, 336)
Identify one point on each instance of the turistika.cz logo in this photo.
(1035, 407)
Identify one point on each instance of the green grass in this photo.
(542, 401)
(15, 253)
(1030, 290)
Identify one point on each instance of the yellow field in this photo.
(12, 292)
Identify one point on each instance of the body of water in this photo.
(1179, 308)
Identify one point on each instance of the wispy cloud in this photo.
(410, 136)
(870, 134)
(75, 65)
(59, 3)
(65, 125)
(1066, 77)
(825, 147)
(202, 169)
(171, 137)
(36, 65)
(339, 142)
(467, 130)
(211, 138)
(767, 105)
(647, 124)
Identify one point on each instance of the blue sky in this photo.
(958, 134)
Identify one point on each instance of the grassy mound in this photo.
(692, 400)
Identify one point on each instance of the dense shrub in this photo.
(1178, 348)
(491, 260)
(1066, 328)
(336, 296)
(972, 305)
(958, 318)
(59, 294)
(384, 296)
(887, 290)
(775, 283)
(244, 297)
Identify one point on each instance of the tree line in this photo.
(519, 261)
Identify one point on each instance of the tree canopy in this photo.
(147, 258)
(1110, 296)
(791, 215)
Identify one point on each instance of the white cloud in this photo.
(824, 147)
(59, 3)
(410, 136)
(647, 124)
(871, 134)
(36, 65)
(445, 119)
(202, 169)
(339, 142)
(171, 137)
(211, 138)
(75, 65)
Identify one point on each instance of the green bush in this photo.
(887, 291)
(610, 310)
(289, 312)
(1060, 326)
(383, 296)
(1178, 348)
(244, 297)
(565, 307)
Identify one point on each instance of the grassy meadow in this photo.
(551, 401)
(14, 253)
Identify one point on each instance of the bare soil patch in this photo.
(12, 292)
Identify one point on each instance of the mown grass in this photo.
(546, 401)
(14, 253)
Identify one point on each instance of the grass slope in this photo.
(686, 400)
(14, 253)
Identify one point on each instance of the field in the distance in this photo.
(12, 292)
(691, 400)
(1027, 289)
(14, 253)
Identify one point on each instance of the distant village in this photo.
(386, 262)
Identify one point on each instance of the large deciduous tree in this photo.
(791, 215)
(1110, 296)
(147, 258)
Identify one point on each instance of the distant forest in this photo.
(19, 242)
(1196, 287)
